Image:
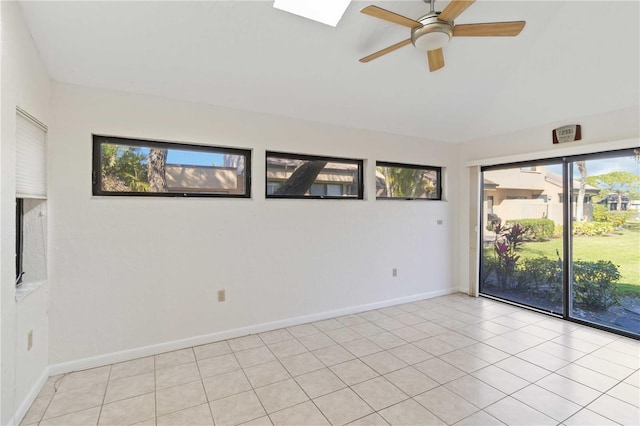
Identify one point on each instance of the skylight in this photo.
(327, 12)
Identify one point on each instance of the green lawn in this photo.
(622, 249)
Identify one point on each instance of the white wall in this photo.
(129, 272)
(602, 132)
(25, 83)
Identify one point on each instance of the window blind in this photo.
(31, 179)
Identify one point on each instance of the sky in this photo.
(195, 158)
(603, 166)
(192, 158)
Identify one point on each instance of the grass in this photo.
(621, 248)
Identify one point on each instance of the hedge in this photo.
(539, 229)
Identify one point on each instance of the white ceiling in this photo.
(573, 58)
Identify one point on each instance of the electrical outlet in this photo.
(439, 222)
(29, 340)
(394, 272)
(221, 296)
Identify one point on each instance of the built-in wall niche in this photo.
(31, 241)
(31, 203)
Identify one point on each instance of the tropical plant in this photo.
(125, 164)
(582, 167)
(506, 245)
(407, 182)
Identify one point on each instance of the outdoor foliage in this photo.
(538, 229)
(615, 218)
(586, 229)
(507, 243)
(593, 284)
(617, 182)
(541, 276)
(125, 165)
(407, 182)
(591, 229)
(557, 231)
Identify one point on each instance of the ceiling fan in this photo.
(432, 31)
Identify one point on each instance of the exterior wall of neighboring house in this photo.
(220, 180)
(529, 194)
(338, 179)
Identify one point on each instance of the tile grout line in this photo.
(294, 379)
(104, 397)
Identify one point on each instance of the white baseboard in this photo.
(127, 355)
(26, 403)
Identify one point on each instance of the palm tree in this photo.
(157, 170)
(582, 167)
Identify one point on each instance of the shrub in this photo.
(586, 229)
(620, 218)
(616, 218)
(590, 229)
(557, 231)
(593, 284)
(538, 229)
(489, 265)
(541, 276)
(600, 212)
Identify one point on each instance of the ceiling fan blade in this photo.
(380, 13)
(436, 59)
(454, 9)
(386, 50)
(490, 29)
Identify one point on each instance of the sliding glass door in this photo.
(522, 248)
(563, 236)
(605, 261)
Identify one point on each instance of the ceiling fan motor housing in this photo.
(433, 34)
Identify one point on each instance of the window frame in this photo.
(436, 169)
(96, 175)
(306, 157)
(19, 240)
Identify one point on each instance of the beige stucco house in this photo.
(532, 192)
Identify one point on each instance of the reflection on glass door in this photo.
(522, 245)
(605, 267)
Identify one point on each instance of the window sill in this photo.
(26, 289)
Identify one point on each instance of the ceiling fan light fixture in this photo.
(432, 35)
(431, 41)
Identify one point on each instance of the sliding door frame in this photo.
(567, 234)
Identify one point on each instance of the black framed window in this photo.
(408, 181)
(308, 176)
(132, 167)
(19, 240)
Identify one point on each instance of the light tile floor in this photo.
(449, 360)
